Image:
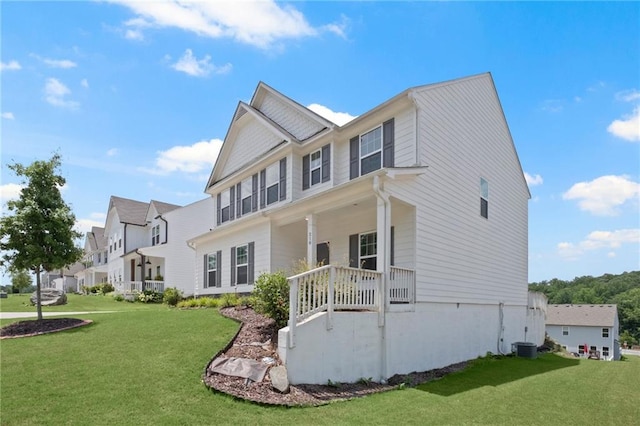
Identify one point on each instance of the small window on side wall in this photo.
(565, 331)
(484, 198)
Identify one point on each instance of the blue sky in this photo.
(138, 96)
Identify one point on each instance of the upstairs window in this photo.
(272, 183)
(605, 332)
(99, 258)
(154, 231)
(316, 167)
(225, 206)
(120, 243)
(246, 196)
(371, 151)
(484, 198)
(565, 330)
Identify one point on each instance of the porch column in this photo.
(381, 226)
(312, 246)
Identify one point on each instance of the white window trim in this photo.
(270, 174)
(239, 265)
(484, 184)
(372, 153)
(605, 330)
(565, 328)
(361, 258)
(210, 269)
(247, 188)
(313, 168)
(225, 194)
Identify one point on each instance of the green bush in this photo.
(118, 297)
(171, 296)
(150, 296)
(106, 288)
(229, 299)
(271, 294)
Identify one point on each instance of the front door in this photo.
(322, 254)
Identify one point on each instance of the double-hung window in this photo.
(484, 198)
(225, 206)
(212, 269)
(246, 189)
(155, 235)
(242, 264)
(605, 332)
(315, 167)
(371, 150)
(273, 183)
(605, 351)
(565, 330)
(368, 251)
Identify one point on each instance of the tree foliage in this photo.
(622, 290)
(36, 233)
(20, 280)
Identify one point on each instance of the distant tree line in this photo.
(622, 290)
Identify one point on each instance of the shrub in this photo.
(229, 299)
(106, 288)
(272, 297)
(210, 302)
(171, 296)
(150, 296)
(118, 297)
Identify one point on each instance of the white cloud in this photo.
(533, 180)
(84, 83)
(188, 159)
(193, 66)
(10, 191)
(603, 195)
(552, 105)
(10, 66)
(340, 118)
(628, 95)
(8, 116)
(59, 63)
(56, 92)
(257, 23)
(627, 128)
(112, 152)
(84, 225)
(597, 240)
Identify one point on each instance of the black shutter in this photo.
(283, 178)
(218, 201)
(232, 204)
(354, 157)
(205, 281)
(219, 268)
(239, 199)
(254, 193)
(306, 161)
(250, 272)
(326, 163)
(392, 242)
(388, 134)
(263, 184)
(233, 266)
(353, 250)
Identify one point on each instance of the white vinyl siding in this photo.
(252, 140)
(293, 121)
(463, 257)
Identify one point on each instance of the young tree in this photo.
(37, 233)
(20, 280)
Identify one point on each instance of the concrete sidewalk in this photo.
(12, 315)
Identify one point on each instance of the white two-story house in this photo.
(96, 257)
(417, 209)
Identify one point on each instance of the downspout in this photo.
(384, 198)
(166, 228)
(125, 238)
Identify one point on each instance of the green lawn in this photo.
(144, 367)
(75, 303)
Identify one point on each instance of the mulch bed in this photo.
(34, 327)
(257, 339)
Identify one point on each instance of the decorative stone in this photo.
(279, 380)
(49, 297)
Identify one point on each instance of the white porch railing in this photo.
(402, 285)
(331, 288)
(129, 286)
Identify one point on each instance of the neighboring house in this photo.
(170, 259)
(418, 209)
(127, 229)
(96, 255)
(585, 328)
(63, 279)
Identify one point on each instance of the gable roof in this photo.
(95, 237)
(129, 211)
(163, 208)
(582, 315)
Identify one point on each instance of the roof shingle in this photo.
(584, 315)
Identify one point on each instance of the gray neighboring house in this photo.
(584, 328)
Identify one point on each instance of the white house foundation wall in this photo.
(434, 335)
(535, 326)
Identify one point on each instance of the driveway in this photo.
(11, 315)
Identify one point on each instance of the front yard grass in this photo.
(75, 302)
(144, 367)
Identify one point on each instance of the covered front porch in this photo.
(144, 273)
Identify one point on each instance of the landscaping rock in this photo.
(279, 380)
(49, 297)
